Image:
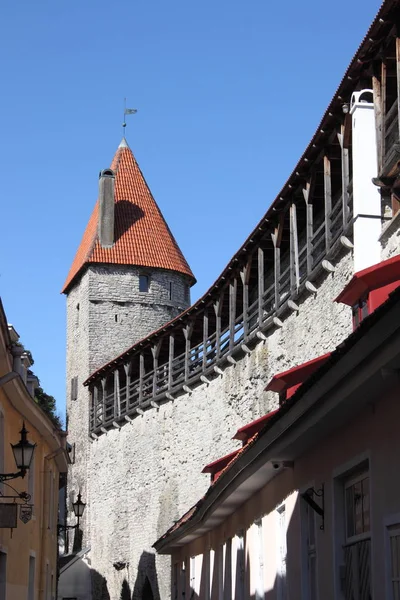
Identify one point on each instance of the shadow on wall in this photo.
(126, 215)
(238, 576)
(78, 580)
(146, 584)
(99, 586)
(126, 593)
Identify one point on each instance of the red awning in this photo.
(247, 431)
(294, 377)
(385, 272)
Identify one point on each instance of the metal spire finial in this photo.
(127, 111)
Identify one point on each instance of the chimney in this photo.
(106, 208)
(366, 197)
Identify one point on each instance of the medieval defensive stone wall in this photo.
(106, 312)
(147, 473)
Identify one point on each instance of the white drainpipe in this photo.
(366, 197)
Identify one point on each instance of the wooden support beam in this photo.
(127, 368)
(204, 379)
(103, 396)
(170, 360)
(154, 404)
(232, 312)
(260, 285)
(328, 202)
(94, 436)
(245, 276)
(276, 239)
(116, 425)
(103, 429)
(383, 108)
(245, 349)
(231, 360)
(117, 397)
(344, 158)
(95, 396)
(128, 419)
(169, 396)
(139, 411)
(308, 193)
(141, 376)
(187, 332)
(261, 336)
(218, 311)
(187, 389)
(294, 251)
(155, 350)
(218, 370)
(205, 338)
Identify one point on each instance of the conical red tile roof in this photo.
(141, 234)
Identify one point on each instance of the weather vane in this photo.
(127, 111)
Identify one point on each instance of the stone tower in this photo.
(128, 278)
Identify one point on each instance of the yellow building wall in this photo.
(38, 537)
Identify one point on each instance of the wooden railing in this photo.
(116, 397)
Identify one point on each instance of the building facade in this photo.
(28, 550)
(309, 507)
(167, 403)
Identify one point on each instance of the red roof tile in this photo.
(142, 236)
(292, 379)
(215, 468)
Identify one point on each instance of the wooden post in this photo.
(277, 238)
(294, 251)
(171, 361)
(187, 332)
(244, 276)
(103, 386)
(141, 376)
(127, 367)
(218, 310)
(232, 312)
(345, 178)
(95, 405)
(155, 350)
(260, 286)
(328, 202)
(308, 197)
(205, 337)
(117, 397)
(383, 110)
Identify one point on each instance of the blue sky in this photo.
(228, 95)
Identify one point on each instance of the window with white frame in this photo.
(393, 532)
(357, 547)
(282, 552)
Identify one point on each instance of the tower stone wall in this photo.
(107, 313)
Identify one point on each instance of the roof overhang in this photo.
(296, 375)
(247, 431)
(351, 380)
(377, 276)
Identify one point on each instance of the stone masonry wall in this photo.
(148, 473)
(121, 315)
(106, 313)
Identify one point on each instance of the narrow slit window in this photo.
(143, 283)
(170, 290)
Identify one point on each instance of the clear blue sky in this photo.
(229, 93)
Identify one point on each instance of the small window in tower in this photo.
(170, 290)
(143, 283)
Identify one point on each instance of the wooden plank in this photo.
(218, 310)
(95, 395)
(244, 276)
(308, 193)
(294, 251)
(376, 87)
(103, 387)
(276, 239)
(383, 108)
(170, 360)
(205, 337)
(141, 376)
(187, 332)
(344, 157)
(232, 312)
(328, 202)
(117, 398)
(155, 350)
(127, 367)
(261, 280)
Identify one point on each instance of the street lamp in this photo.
(78, 508)
(23, 454)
